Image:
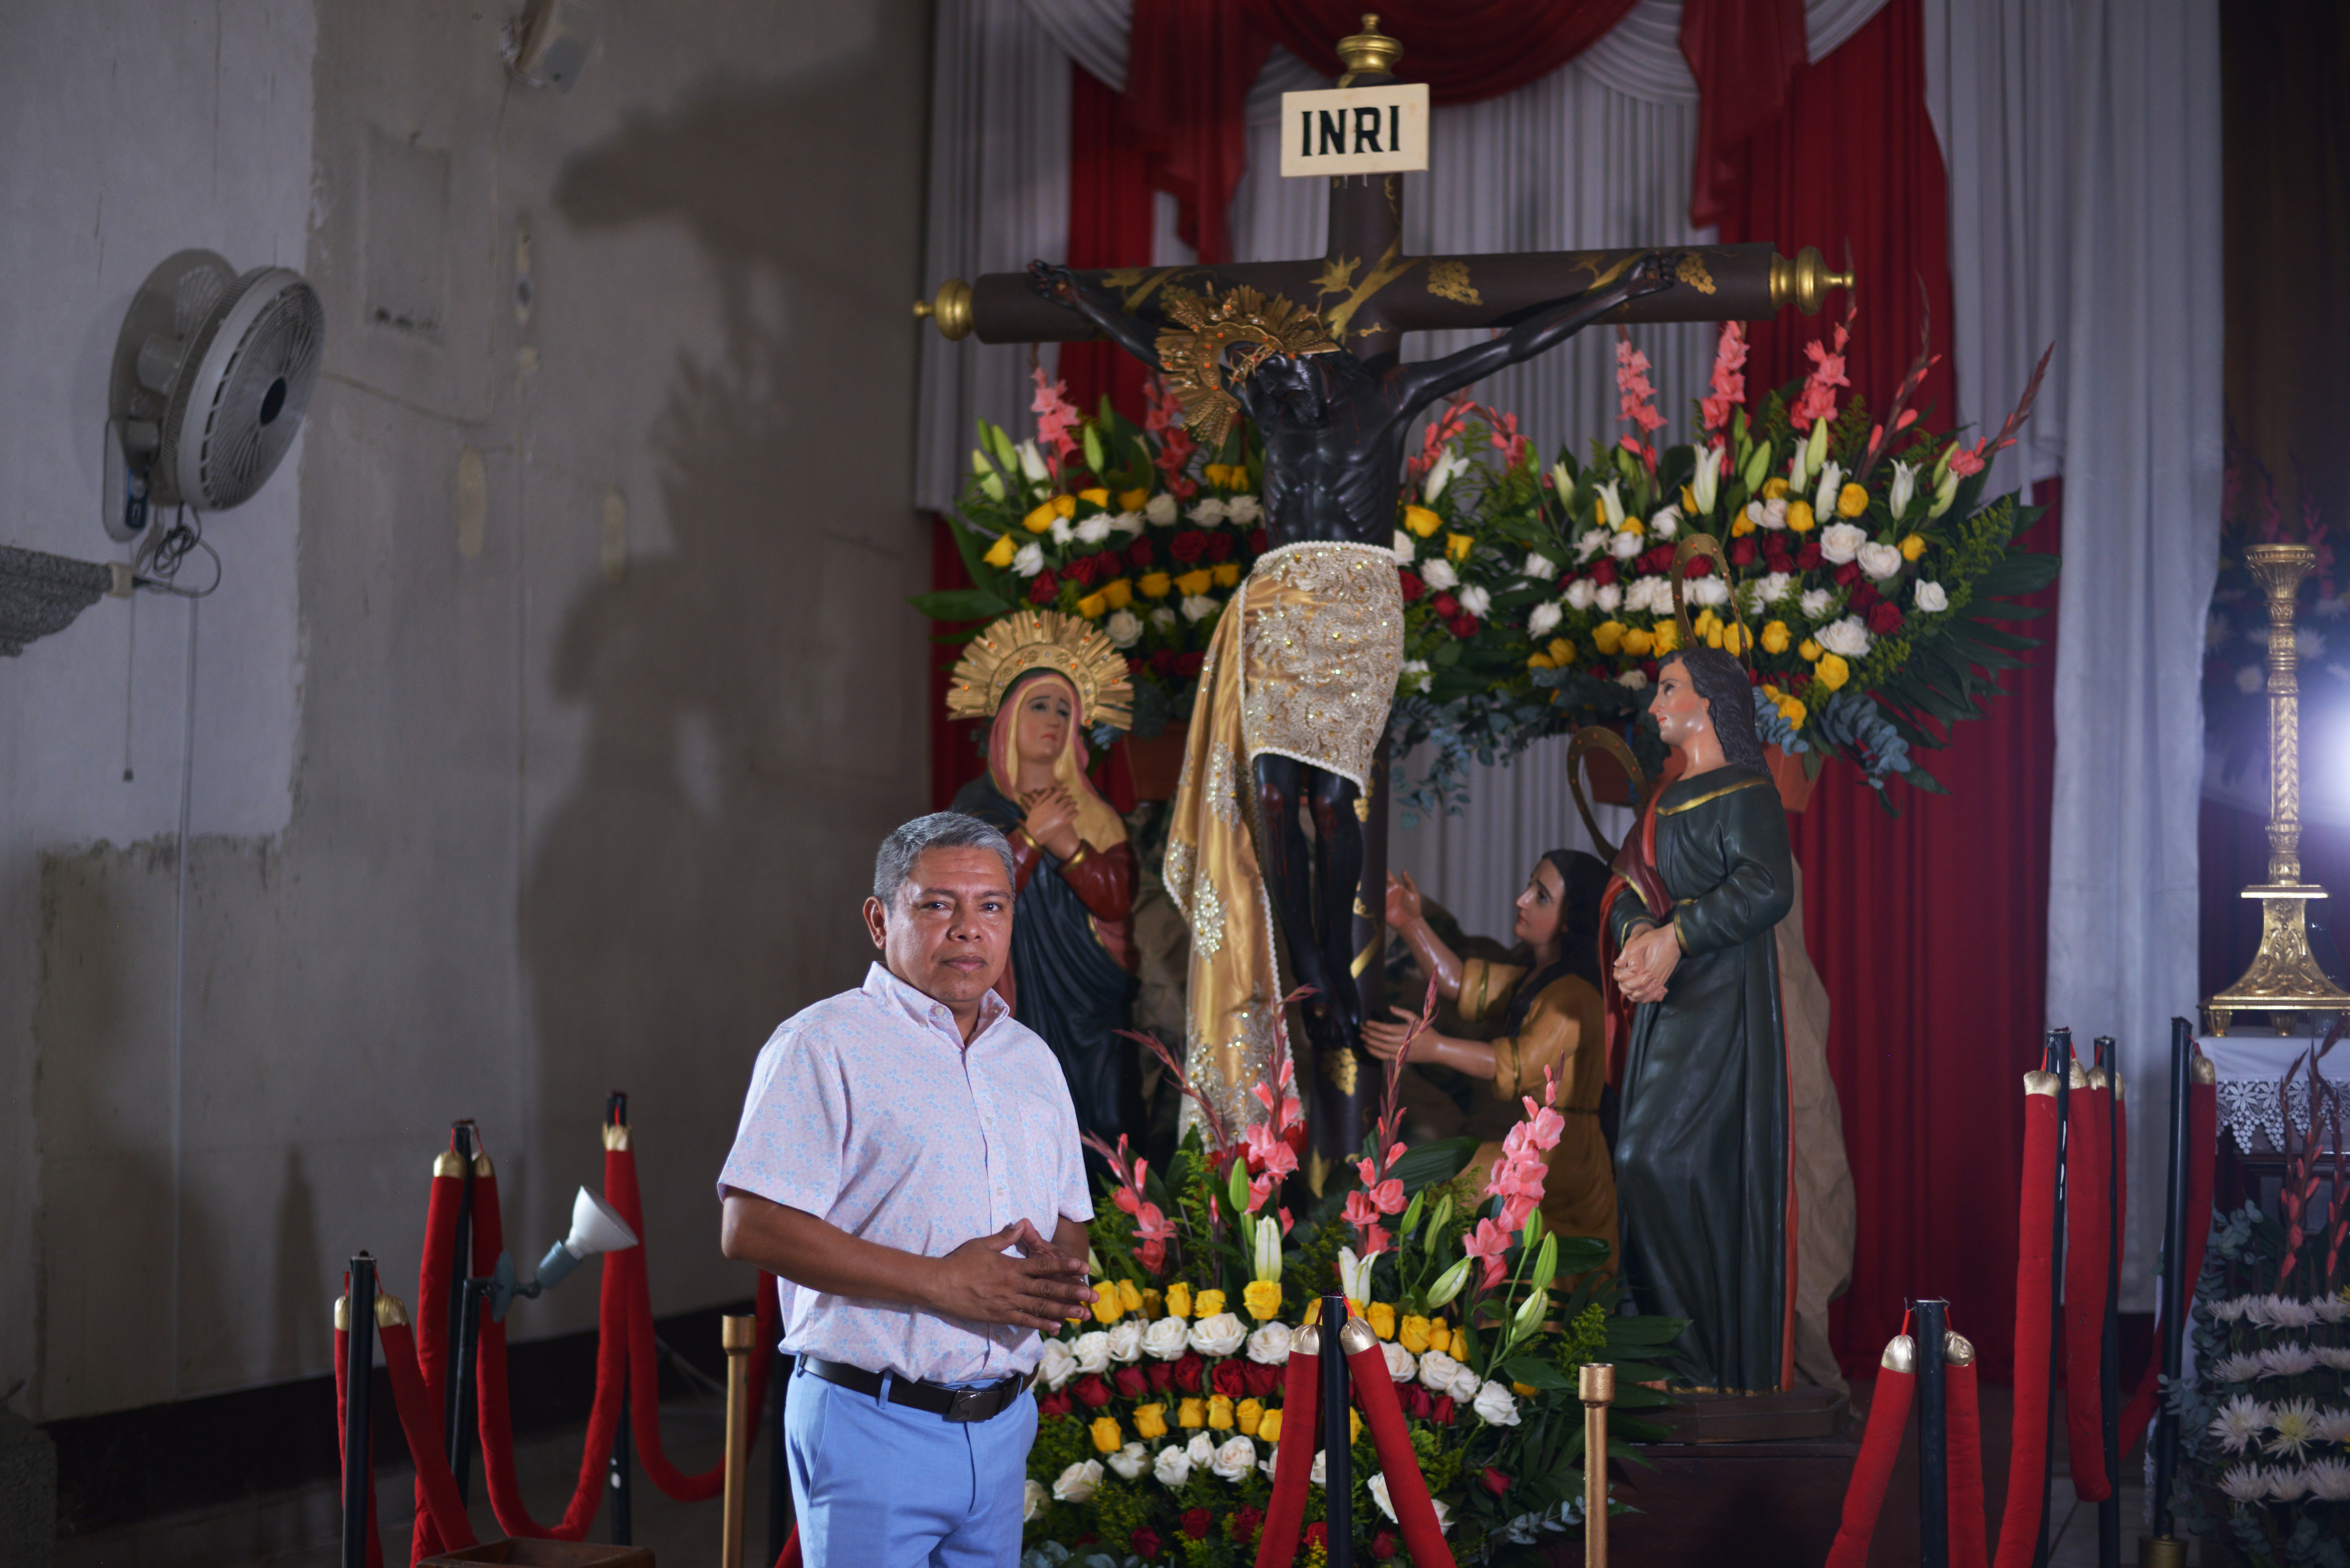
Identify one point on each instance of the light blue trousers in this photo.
(877, 1485)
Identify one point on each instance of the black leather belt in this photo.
(952, 1404)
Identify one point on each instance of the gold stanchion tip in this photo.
(615, 1137)
(389, 1312)
(2161, 1551)
(446, 1163)
(737, 1335)
(342, 1315)
(1357, 1336)
(2037, 1082)
(483, 1168)
(1594, 1383)
(1307, 1340)
(1900, 1354)
(1958, 1350)
(950, 310)
(2205, 1072)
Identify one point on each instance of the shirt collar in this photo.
(923, 1009)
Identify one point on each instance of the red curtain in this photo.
(1110, 226)
(1464, 50)
(1744, 55)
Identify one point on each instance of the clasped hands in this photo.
(1052, 820)
(1042, 1289)
(1647, 962)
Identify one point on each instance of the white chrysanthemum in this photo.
(1058, 1364)
(1126, 1340)
(1236, 1460)
(1579, 593)
(1127, 522)
(2238, 1368)
(1029, 559)
(1437, 1370)
(1438, 573)
(2329, 1480)
(1208, 511)
(1929, 597)
(2287, 1360)
(2294, 1422)
(1171, 1468)
(2230, 1310)
(1540, 567)
(1774, 587)
(1123, 628)
(1270, 1344)
(1167, 1339)
(1093, 529)
(2331, 1309)
(1847, 637)
(2333, 1356)
(1815, 603)
(1495, 1405)
(1032, 1498)
(1198, 607)
(1840, 542)
(1161, 509)
(1880, 561)
(1624, 547)
(1708, 590)
(1402, 1366)
(1666, 523)
(1609, 599)
(1589, 543)
(1404, 549)
(1129, 1461)
(1079, 1482)
(1218, 1336)
(2334, 1426)
(1243, 509)
(2289, 1312)
(1476, 601)
(2287, 1485)
(1544, 620)
(2245, 1483)
(2240, 1421)
(1632, 679)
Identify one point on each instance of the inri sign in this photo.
(1354, 131)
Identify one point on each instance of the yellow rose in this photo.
(1154, 1306)
(1191, 1413)
(1665, 638)
(1912, 546)
(1608, 635)
(1354, 1427)
(1227, 573)
(1525, 1390)
(1457, 546)
(999, 555)
(1192, 583)
(1220, 1413)
(1741, 526)
(1065, 505)
(1211, 1302)
(1735, 639)
(1248, 1416)
(1154, 585)
(1540, 661)
(1792, 709)
(1099, 497)
(1150, 1420)
(1093, 607)
(1268, 1426)
(1179, 1300)
(1809, 649)
(1833, 671)
(1631, 524)
(1227, 475)
(1799, 517)
(1108, 1308)
(1440, 1337)
(1263, 1299)
(1132, 500)
(1421, 521)
(1774, 637)
(1412, 1333)
(1130, 1295)
(1561, 652)
(1706, 623)
(1851, 501)
(1773, 489)
(1381, 1317)
(1637, 642)
(1118, 592)
(1036, 522)
(1108, 1439)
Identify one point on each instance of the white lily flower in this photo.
(1563, 484)
(1816, 449)
(1823, 499)
(1268, 1248)
(1611, 506)
(1032, 462)
(1354, 1274)
(1448, 463)
(1706, 487)
(1905, 488)
(1945, 493)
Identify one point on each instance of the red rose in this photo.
(1197, 1522)
(1416, 1401)
(1132, 1381)
(1696, 567)
(1138, 555)
(1385, 1545)
(1162, 664)
(1230, 1379)
(1864, 594)
(1160, 1379)
(1144, 1542)
(1219, 546)
(1463, 626)
(1657, 560)
(1412, 586)
(1807, 558)
(1445, 606)
(1135, 666)
(1091, 1392)
(1188, 1367)
(1648, 668)
(1885, 618)
(1042, 589)
(1256, 541)
(1318, 1534)
(1495, 1481)
(1188, 546)
(1741, 551)
(1781, 563)
(1263, 1380)
(1052, 1404)
(1847, 574)
(1441, 1413)
(1187, 665)
(1085, 569)
(1246, 1522)
(1603, 572)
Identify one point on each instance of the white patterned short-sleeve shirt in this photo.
(868, 1111)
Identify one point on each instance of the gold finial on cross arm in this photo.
(1369, 50)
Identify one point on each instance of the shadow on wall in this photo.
(746, 691)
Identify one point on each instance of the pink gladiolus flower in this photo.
(1374, 1240)
(1057, 417)
(1268, 1152)
(1636, 405)
(1359, 1210)
(1490, 1243)
(1388, 1196)
(1818, 401)
(1729, 386)
(1966, 461)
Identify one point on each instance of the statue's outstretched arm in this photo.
(1549, 326)
(1064, 288)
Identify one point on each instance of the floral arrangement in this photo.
(1159, 1414)
(2236, 633)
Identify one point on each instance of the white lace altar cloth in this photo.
(2252, 1068)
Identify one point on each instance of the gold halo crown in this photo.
(1193, 354)
(1041, 639)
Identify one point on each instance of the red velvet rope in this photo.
(1864, 1498)
(1966, 1480)
(433, 1338)
(342, 1446)
(436, 1488)
(2088, 1208)
(2019, 1528)
(1407, 1488)
(2203, 1150)
(1293, 1461)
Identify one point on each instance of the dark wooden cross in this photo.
(1368, 294)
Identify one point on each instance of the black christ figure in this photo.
(1334, 430)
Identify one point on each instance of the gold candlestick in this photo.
(1596, 1386)
(737, 1335)
(2283, 977)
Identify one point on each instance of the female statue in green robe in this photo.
(1701, 1152)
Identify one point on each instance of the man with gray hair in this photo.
(908, 1166)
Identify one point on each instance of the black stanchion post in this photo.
(358, 1369)
(1338, 1452)
(1933, 1437)
(2109, 1348)
(616, 1114)
(2163, 1548)
(2057, 1058)
(465, 1352)
(454, 1388)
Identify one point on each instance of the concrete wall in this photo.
(556, 690)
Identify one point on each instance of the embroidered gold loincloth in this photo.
(1305, 669)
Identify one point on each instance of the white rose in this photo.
(1401, 1366)
(1414, 674)
(1840, 542)
(1197, 607)
(1166, 1339)
(1437, 1370)
(1218, 1336)
(1127, 522)
(1708, 590)
(1124, 629)
(1815, 602)
(1476, 601)
(1058, 1366)
(1775, 512)
(1207, 512)
(1160, 509)
(1464, 1383)
(1270, 1344)
(1579, 593)
(1541, 569)
(1653, 595)
(1631, 680)
(1624, 547)
(1667, 523)
(1093, 529)
(1608, 598)
(1544, 619)
(1438, 573)
(1774, 587)
(1029, 559)
(1243, 509)
(1496, 1406)
(1403, 549)
(1032, 1498)
(1163, 618)
(1930, 597)
(1172, 1467)
(1079, 1482)
(1589, 543)
(1318, 1475)
(1846, 636)
(1236, 1460)
(1880, 561)
(1200, 1450)
(1092, 1351)
(1062, 532)
(1130, 1460)
(1126, 1340)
